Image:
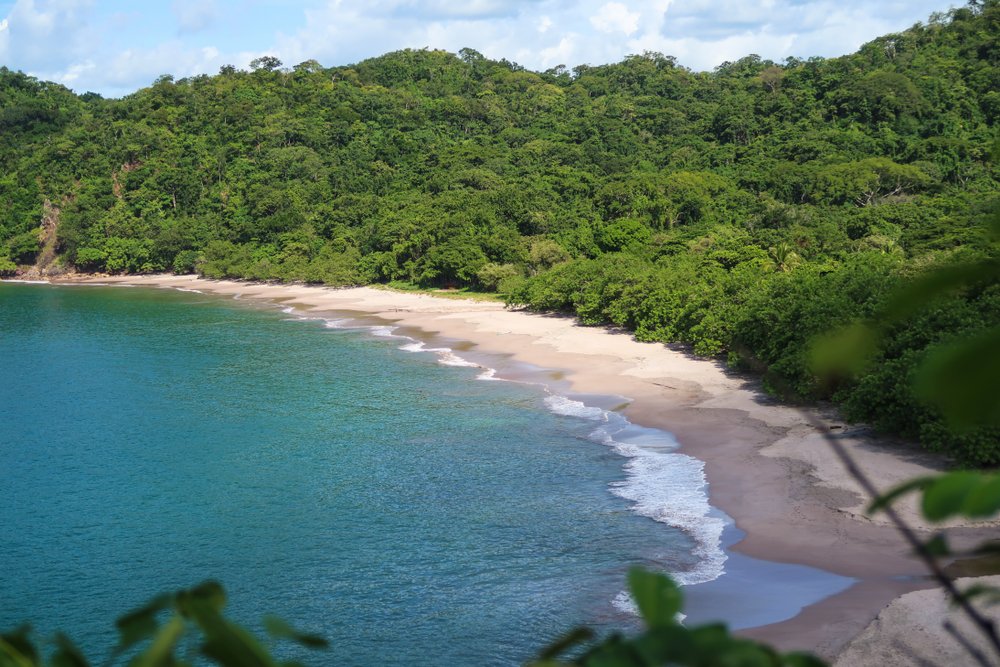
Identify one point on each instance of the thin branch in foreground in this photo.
(984, 624)
(964, 642)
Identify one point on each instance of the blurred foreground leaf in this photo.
(161, 650)
(960, 379)
(946, 496)
(666, 641)
(658, 598)
(140, 624)
(278, 628)
(844, 353)
(963, 493)
(67, 654)
(188, 613)
(16, 648)
(936, 283)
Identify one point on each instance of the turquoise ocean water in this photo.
(390, 495)
(354, 483)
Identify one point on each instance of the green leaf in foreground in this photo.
(570, 640)
(658, 598)
(947, 495)
(942, 281)
(973, 495)
(278, 628)
(960, 380)
(161, 651)
(67, 654)
(984, 500)
(140, 624)
(937, 546)
(232, 646)
(844, 352)
(985, 594)
(892, 495)
(16, 648)
(206, 595)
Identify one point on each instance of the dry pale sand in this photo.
(767, 467)
(910, 631)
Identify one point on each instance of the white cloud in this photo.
(71, 75)
(194, 15)
(615, 17)
(560, 54)
(541, 33)
(45, 33)
(704, 33)
(166, 58)
(4, 41)
(444, 9)
(63, 39)
(131, 69)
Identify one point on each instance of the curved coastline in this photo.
(660, 483)
(767, 468)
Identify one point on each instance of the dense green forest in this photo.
(740, 211)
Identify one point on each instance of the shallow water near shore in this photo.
(386, 498)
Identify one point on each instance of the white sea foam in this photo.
(670, 488)
(26, 282)
(449, 358)
(570, 408)
(660, 483)
(188, 289)
(446, 356)
(489, 375)
(624, 602)
(296, 316)
(72, 284)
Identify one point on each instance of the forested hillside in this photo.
(741, 211)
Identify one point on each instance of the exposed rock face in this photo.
(47, 235)
(910, 631)
(116, 183)
(45, 264)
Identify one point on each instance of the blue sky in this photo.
(115, 46)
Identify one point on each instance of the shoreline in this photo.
(767, 468)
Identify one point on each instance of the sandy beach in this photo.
(767, 467)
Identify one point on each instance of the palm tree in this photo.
(783, 257)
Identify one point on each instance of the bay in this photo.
(407, 511)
